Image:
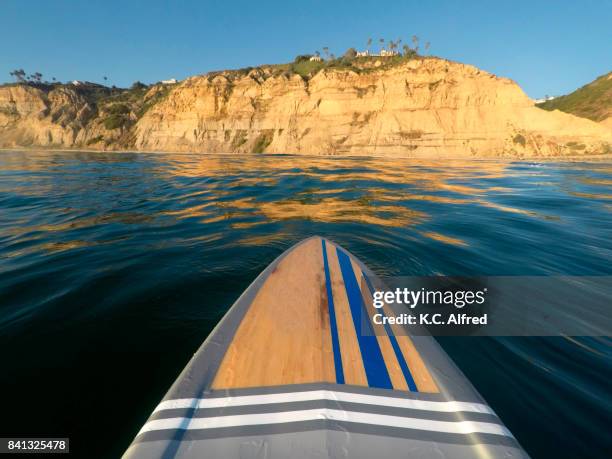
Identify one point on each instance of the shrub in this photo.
(520, 140)
(350, 53)
(410, 53)
(157, 97)
(576, 145)
(96, 139)
(138, 85)
(262, 142)
(305, 68)
(301, 58)
(239, 139)
(118, 109)
(411, 135)
(115, 121)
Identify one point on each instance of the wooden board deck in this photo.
(305, 326)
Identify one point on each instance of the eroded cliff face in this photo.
(69, 116)
(30, 116)
(421, 108)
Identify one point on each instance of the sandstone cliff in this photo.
(418, 108)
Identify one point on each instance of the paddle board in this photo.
(290, 373)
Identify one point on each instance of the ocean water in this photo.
(115, 267)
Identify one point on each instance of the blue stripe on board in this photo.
(373, 361)
(398, 352)
(332, 320)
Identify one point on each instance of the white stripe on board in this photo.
(380, 400)
(453, 427)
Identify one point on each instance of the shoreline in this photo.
(570, 159)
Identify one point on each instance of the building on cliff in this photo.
(383, 53)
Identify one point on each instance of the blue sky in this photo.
(548, 47)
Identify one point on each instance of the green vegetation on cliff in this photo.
(308, 65)
(592, 101)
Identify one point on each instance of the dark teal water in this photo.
(115, 267)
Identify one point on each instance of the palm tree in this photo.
(19, 75)
(415, 42)
(408, 51)
(427, 45)
(369, 45)
(326, 51)
(382, 43)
